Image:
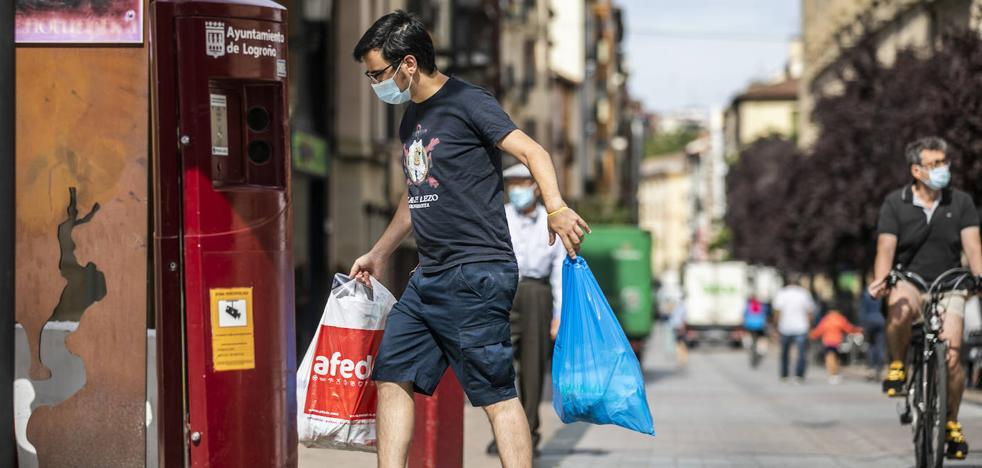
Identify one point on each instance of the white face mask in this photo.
(938, 178)
(388, 91)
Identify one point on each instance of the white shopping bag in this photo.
(335, 394)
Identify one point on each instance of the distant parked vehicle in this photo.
(715, 298)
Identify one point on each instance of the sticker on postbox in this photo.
(219, 125)
(340, 374)
(233, 342)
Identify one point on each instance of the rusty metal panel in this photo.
(82, 158)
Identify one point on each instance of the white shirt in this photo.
(794, 303)
(928, 210)
(536, 258)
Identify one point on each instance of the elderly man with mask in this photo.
(535, 312)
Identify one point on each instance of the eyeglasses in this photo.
(375, 74)
(935, 164)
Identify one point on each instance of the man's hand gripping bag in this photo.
(336, 397)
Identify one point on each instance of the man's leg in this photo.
(876, 350)
(519, 335)
(536, 362)
(408, 357)
(395, 421)
(953, 317)
(801, 342)
(511, 430)
(530, 323)
(785, 348)
(902, 306)
(681, 350)
(953, 305)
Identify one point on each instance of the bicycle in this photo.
(926, 389)
(758, 347)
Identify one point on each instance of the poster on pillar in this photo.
(233, 339)
(79, 21)
(81, 268)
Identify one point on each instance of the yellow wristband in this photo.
(558, 211)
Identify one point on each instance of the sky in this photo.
(700, 53)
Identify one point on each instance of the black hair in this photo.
(931, 143)
(397, 35)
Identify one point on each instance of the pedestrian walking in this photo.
(755, 323)
(873, 321)
(535, 313)
(831, 330)
(455, 309)
(676, 322)
(794, 308)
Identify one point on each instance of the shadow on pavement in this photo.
(563, 444)
(652, 375)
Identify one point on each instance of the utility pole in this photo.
(7, 220)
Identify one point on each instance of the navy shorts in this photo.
(457, 317)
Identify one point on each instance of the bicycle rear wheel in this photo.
(930, 437)
(755, 355)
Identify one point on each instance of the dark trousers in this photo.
(800, 342)
(531, 316)
(876, 337)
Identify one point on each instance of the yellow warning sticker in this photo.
(233, 343)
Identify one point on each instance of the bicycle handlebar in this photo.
(965, 281)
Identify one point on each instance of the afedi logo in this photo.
(417, 160)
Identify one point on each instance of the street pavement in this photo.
(717, 412)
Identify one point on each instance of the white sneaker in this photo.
(835, 379)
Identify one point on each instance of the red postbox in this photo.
(438, 441)
(222, 240)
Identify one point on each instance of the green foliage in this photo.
(720, 243)
(600, 209)
(660, 144)
(817, 213)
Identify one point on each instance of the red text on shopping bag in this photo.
(340, 376)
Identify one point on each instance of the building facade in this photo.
(665, 198)
(831, 26)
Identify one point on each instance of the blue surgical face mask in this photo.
(938, 178)
(388, 91)
(521, 197)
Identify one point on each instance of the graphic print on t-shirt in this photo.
(417, 159)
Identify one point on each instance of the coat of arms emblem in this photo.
(417, 160)
(214, 38)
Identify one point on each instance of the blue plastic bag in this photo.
(596, 377)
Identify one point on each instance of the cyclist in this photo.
(924, 228)
(755, 323)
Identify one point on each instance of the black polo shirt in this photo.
(943, 248)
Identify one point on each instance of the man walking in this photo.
(535, 313)
(455, 310)
(872, 320)
(793, 308)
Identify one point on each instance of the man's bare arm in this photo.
(973, 249)
(564, 223)
(886, 249)
(373, 262)
(398, 229)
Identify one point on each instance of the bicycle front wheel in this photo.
(930, 438)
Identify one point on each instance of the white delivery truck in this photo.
(715, 298)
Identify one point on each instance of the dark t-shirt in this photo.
(453, 170)
(943, 248)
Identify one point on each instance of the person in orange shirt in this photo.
(831, 329)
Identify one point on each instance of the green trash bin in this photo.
(620, 258)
